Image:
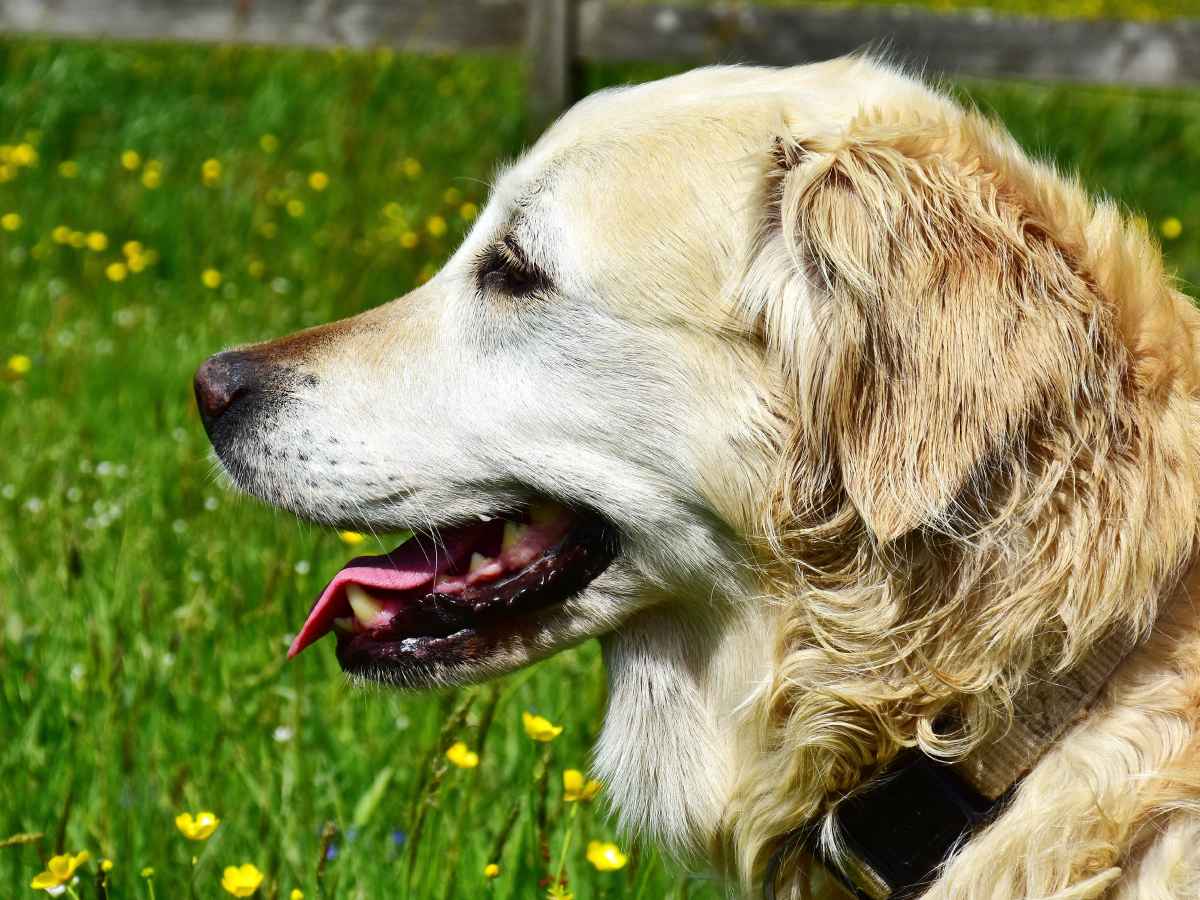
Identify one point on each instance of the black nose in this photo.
(221, 383)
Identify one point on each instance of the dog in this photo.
(840, 422)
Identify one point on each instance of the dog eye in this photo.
(505, 268)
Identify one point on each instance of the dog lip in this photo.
(465, 627)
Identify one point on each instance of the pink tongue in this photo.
(414, 563)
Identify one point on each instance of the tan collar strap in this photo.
(886, 840)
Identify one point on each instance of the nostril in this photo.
(217, 384)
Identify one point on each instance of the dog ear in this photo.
(943, 314)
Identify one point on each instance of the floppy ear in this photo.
(945, 316)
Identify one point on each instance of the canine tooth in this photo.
(366, 608)
(478, 561)
(544, 512)
(344, 626)
(513, 535)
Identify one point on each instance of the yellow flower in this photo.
(269, 143)
(451, 196)
(574, 788)
(10, 222)
(393, 210)
(97, 240)
(152, 178)
(540, 729)
(268, 230)
(7, 172)
(559, 892)
(211, 278)
(436, 226)
(256, 268)
(60, 870)
(24, 155)
(131, 248)
(107, 865)
(462, 757)
(20, 363)
(211, 172)
(61, 234)
(130, 159)
(117, 271)
(491, 870)
(77, 239)
(1171, 228)
(408, 240)
(199, 828)
(350, 537)
(242, 882)
(605, 857)
(295, 208)
(297, 894)
(412, 168)
(468, 211)
(68, 169)
(318, 181)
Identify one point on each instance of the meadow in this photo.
(161, 203)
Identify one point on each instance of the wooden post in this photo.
(553, 70)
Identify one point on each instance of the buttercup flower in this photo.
(68, 169)
(295, 208)
(1171, 228)
(199, 828)
(211, 172)
(436, 225)
(116, 271)
(468, 211)
(107, 865)
(152, 177)
(574, 788)
(408, 240)
(78, 240)
(269, 142)
(20, 363)
(412, 168)
(242, 882)
(211, 278)
(462, 757)
(61, 235)
(24, 155)
(297, 894)
(318, 181)
(539, 728)
(97, 240)
(59, 871)
(348, 537)
(10, 221)
(491, 870)
(605, 857)
(131, 160)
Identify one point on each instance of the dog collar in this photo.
(887, 840)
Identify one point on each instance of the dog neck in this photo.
(674, 733)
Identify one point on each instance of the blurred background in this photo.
(169, 187)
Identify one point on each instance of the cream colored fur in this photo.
(884, 413)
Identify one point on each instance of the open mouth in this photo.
(458, 586)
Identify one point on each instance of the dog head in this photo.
(778, 382)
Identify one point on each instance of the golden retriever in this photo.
(840, 422)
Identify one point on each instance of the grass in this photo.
(145, 609)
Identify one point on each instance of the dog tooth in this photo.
(544, 512)
(513, 535)
(366, 608)
(478, 561)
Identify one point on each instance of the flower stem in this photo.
(71, 891)
(562, 859)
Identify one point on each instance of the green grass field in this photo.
(145, 608)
